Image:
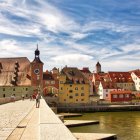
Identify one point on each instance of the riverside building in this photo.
(74, 87)
(20, 76)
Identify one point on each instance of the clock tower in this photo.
(37, 71)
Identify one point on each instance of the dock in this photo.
(74, 123)
(95, 136)
(67, 115)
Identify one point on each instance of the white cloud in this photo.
(49, 18)
(78, 35)
(12, 48)
(99, 25)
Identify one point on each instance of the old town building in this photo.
(120, 96)
(73, 86)
(20, 76)
(105, 88)
(88, 75)
(51, 82)
(136, 78)
(123, 80)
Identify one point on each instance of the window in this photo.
(106, 95)
(26, 95)
(114, 96)
(127, 95)
(47, 82)
(52, 82)
(61, 88)
(106, 90)
(82, 94)
(70, 85)
(82, 88)
(121, 96)
(3, 95)
(26, 89)
(70, 91)
(13, 89)
(76, 94)
(3, 89)
(71, 97)
(65, 100)
(77, 100)
(82, 99)
(76, 88)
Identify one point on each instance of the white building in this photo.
(105, 88)
(136, 78)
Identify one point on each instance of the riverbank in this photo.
(98, 108)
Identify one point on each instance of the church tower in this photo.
(37, 71)
(98, 67)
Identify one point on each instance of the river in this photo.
(125, 124)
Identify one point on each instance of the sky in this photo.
(76, 33)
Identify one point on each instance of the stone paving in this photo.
(21, 120)
(11, 115)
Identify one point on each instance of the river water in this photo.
(125, 124)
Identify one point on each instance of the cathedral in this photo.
(20, 76)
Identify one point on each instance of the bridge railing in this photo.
(9, 99)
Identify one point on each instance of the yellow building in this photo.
(74, 87)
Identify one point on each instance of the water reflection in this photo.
(125, 124)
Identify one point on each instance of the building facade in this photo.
(20, 76)
(73, 86)
(136, 78)
(120, 96)
(51, 82)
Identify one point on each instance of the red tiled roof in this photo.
(100, 76)
(137, 73)
(120, 77)
(108, 85)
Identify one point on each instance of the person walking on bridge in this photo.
(38, 97)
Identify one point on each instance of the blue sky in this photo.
(73, 32)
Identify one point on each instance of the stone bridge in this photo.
(21, 120)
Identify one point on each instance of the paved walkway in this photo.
(12, 114)
(21, 120)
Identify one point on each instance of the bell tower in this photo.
(37, 71)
